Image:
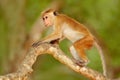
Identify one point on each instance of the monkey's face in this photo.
(48, 20)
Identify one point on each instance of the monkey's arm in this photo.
(52, 37)
(57, 34)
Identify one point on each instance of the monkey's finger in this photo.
(36, 43)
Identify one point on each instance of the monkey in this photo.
(67, 27)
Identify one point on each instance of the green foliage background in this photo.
(102, 15)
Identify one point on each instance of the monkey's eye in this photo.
(46, 17)
(43, 19)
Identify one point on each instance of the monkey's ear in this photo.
(55, 13)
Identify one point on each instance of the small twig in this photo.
(43, 48)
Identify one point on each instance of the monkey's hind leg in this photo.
(76, 57)
(81, 46)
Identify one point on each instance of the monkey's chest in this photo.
(72, 35)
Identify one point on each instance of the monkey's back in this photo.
(75, 25)
(71, 28)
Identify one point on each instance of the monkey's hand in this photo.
(37, 43)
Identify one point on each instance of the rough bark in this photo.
(25, 67)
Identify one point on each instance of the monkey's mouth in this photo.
(46, 25)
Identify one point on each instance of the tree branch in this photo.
(37, 49)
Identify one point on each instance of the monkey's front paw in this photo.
(81, 63)
(37, 44)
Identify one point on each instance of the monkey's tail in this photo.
(102, 58)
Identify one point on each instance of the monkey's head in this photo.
(48, 17)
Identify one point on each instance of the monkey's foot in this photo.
(81, 63)
(36, 44)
